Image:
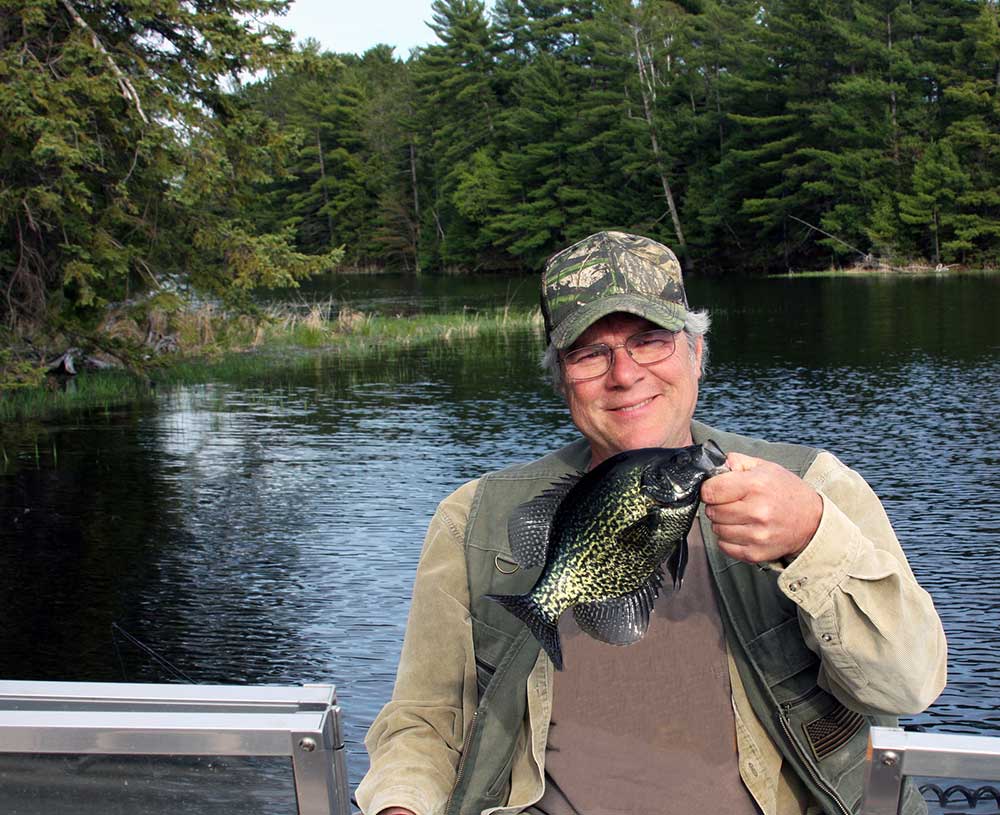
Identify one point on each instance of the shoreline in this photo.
(235, 348)
(886, 271)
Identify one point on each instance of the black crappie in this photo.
(603, 538)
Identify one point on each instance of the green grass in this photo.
(286, 340)
(100, 390)
(884, 273)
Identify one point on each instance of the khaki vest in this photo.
(821, 739)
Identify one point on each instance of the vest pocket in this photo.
(836, 737)
(484, 673)
(833, 729)
(781, 652)
(489, 645)
(499, 790)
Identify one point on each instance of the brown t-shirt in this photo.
(647, 728)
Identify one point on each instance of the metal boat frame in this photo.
(894, 753)
(115, 719)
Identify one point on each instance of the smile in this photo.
(631, 408)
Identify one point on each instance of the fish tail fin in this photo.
(530, 613)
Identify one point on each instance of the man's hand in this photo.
(761, 511)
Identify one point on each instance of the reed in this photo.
(292, 339)
(93, 390)
(284, 339)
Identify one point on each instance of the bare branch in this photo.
(128, 91)
(131, 169)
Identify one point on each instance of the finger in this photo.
(725, 488)
(729, 512)
(737, 534)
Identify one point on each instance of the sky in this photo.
(354, 26)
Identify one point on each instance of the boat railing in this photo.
(895, 754)
(144, 748)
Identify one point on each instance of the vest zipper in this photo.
(820, 782)
(465, 755)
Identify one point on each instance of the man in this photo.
(798, 625)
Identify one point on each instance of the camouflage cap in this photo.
(608, 272)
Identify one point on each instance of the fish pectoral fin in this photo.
(637, 535)
(620, 620)
(529, 525)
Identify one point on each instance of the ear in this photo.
(697, 357)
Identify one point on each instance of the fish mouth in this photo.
(713, 459)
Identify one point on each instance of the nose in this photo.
(624, 371)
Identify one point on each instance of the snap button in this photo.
(793, 586)
(827, 638)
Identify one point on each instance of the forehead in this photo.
(616, 326)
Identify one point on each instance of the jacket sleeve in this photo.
(415, 741)
(878, 635)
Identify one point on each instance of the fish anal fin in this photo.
(530, 524)
(677, 562)
(620, 620)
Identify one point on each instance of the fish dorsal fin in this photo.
(620, 620)
(529, 525)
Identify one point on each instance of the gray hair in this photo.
(696, 324)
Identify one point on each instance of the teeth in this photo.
(643, 403)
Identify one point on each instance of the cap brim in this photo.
(662, 312)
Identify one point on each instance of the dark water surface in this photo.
(268, 533)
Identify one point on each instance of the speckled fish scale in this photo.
(603, 538)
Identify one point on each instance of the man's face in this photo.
(634, 406)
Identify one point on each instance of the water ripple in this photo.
(270, 533)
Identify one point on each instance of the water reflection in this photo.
(269, 533)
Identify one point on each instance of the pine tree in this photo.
(392, 139)
(938, 181)
(457, 112)
(298, 99)
(533, 217)
(567, 138)
(831, 144)
(974, 136)
(124, 161)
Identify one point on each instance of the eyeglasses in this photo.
(592, 361)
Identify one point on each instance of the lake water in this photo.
(268, 533)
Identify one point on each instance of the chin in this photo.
(639, 441)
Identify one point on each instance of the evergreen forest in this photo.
(168, 141)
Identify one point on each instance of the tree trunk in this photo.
(892, 96)
(647, 90)
(937, 247)
(326, 194)
(416, 208)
